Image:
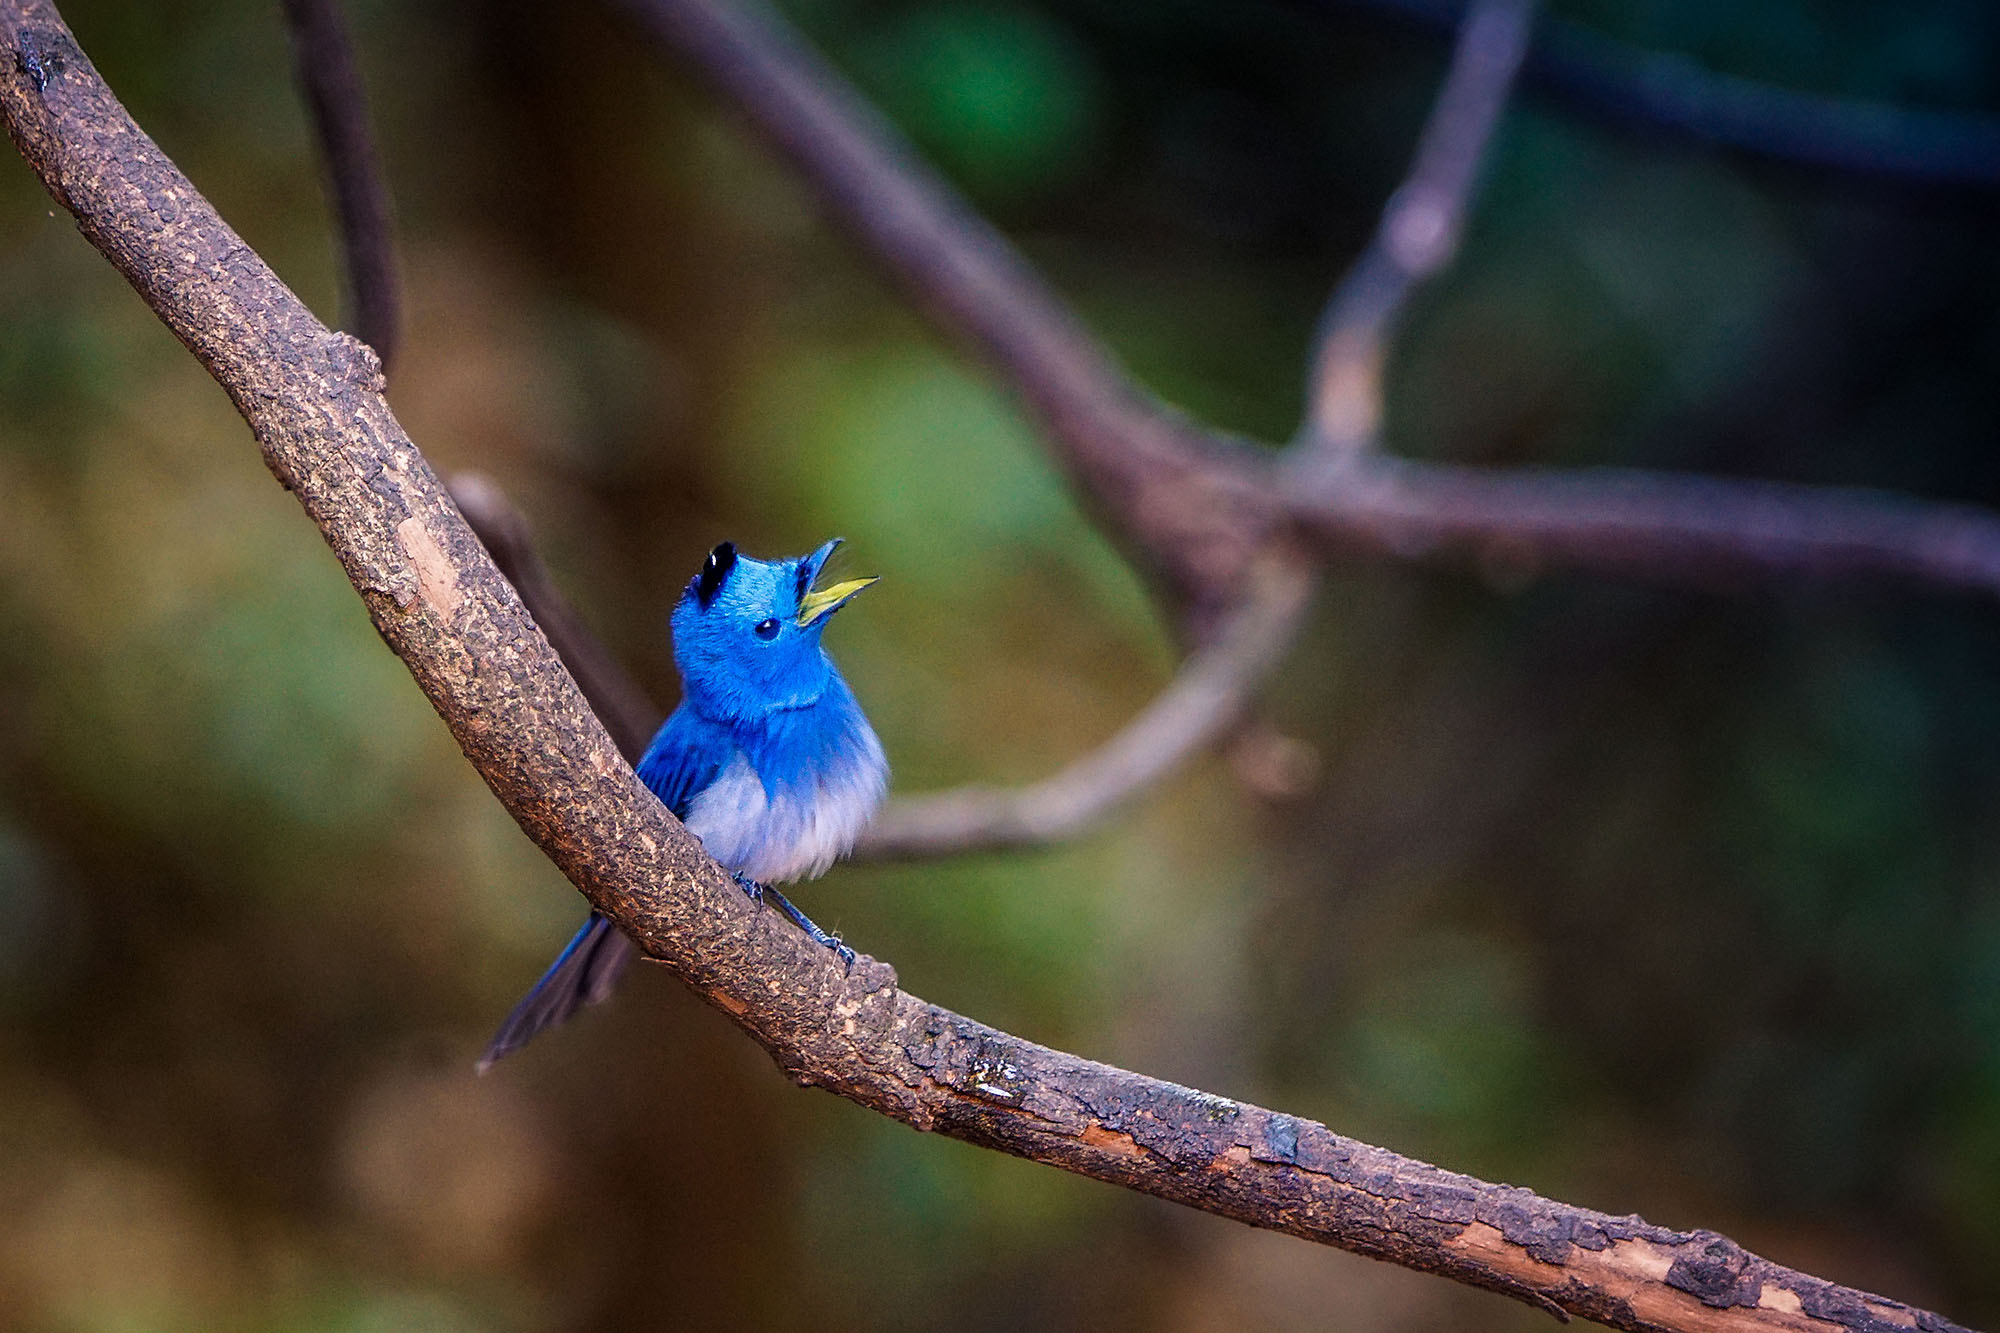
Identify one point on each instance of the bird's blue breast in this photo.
(777, 798)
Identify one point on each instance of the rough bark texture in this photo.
(313, 399)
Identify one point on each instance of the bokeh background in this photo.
(1682, 902)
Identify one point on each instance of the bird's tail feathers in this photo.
(584, 973)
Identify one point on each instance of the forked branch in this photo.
(1166, 485)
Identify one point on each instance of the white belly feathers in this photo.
(796, 832)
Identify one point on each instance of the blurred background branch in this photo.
(1659, 526)
(1208, 696)
(330, 78)
(1175, 505)
(1199, 502)
(614, 696)
(1653, 526)
(1417, 237)
(1669, 92)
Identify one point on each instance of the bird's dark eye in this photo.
(766, 629)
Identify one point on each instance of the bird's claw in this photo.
(835, 945)
(805, 923)
(749, 886)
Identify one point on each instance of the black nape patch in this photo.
(713, 571)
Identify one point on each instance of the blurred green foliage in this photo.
(1005, 98)
(1681, 902)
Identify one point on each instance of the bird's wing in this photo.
(686, 754)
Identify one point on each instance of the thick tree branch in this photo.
(323, 57)
(1671, 92)
(314, 402)
(1416, 238)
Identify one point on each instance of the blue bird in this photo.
(768, 760)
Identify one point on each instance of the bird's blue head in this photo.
(746, 633)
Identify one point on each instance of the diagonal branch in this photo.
(314, 401)
(323, 57)
(1416, 238)
(1162, 485)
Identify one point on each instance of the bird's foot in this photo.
(805, 923)
(748, 885)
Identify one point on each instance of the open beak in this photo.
(816, 603)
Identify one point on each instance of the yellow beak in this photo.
(821, 601)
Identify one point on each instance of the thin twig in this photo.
(1666, 91)
(314, 400)
(323, 58)
(1416, 238)
(1206, 698)
(614, 696)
